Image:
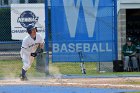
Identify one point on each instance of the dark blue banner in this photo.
(85, 26)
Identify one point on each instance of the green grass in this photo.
(91, 69)
(12, 68)
(7, 68)
(71, 68)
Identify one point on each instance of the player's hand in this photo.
(33, 54)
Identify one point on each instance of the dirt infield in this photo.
(121, 83)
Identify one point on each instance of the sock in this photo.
(23, 72)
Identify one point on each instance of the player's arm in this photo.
(134, 51)
(40, 50)
(41, 45)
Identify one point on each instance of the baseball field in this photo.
(68, 74)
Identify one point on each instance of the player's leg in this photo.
(26, 66)
(23, 75)
(135, 63)
(31, 60)
(126, 61)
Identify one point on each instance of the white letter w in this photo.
(72, 11)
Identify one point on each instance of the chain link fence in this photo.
(9, 49)
(11, 64)
(10, 60)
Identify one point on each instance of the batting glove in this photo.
(33, 54)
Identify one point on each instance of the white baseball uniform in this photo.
(29, 45)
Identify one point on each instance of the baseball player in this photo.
(129, 52)
(28, 49)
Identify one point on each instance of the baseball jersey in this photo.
(30, 45)
(128, 50)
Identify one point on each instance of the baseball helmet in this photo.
(30, 27)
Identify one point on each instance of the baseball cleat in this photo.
(23, 78)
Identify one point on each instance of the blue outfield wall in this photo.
(86, 26)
